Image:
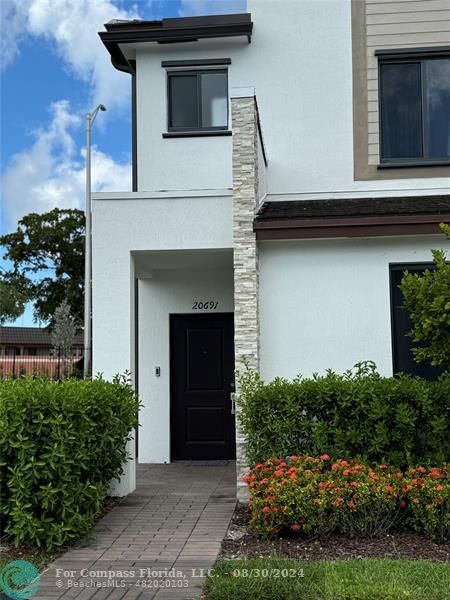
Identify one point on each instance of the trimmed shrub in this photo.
(427, 300)
(403, 421)
(314, 496)
(61, 445)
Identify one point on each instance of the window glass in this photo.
(401, 326)
(198, 100)
(214, 99)
(401, 110)
(183, 112)
(437, 102)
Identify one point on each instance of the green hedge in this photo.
(61, 444)
(399, 420)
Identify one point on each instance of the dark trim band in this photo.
(183, 134)
(414, 163)
(353, 227)
(348, 231)
(261, 139)
(414, 52)
(134, 166)
(167, 31)
(206, 62)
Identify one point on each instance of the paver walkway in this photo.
(156, 542)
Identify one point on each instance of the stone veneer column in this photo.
(245, 198)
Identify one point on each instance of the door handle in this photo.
(233, 403)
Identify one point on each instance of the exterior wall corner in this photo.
(246, 279)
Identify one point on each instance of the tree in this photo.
(427, 299)
(13, 298)
(63, 331)
(47, 255)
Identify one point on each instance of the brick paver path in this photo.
(156, 543)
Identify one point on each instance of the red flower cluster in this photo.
(314, 495)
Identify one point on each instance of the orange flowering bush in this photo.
(315, 496)
(427, 492)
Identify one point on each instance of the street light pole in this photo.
(90, 118)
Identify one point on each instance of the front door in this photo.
(202, 377)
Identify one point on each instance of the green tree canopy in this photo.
(13, 297)
(47, 256)
(427, 299)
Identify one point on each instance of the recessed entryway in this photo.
(202, 379)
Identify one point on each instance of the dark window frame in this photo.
(193, 130)
(412, 267)
(414, 56)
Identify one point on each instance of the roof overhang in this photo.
(358, 217)
(169, 31)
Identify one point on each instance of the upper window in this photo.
(198, 100)
(414, 110)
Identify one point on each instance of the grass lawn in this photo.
(364, 579)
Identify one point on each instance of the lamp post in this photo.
(90, 118)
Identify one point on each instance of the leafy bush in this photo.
(61, 444)
(314, 496)
(427, 299)
(403, 421)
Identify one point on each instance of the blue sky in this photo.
(54, 69)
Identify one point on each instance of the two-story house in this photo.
(289, 164)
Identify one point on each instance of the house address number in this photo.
(207, 305)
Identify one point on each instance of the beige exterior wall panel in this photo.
(405, 28)
(404, 6)
(407, 17)
(384, 25)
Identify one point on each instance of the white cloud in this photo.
(72, 25)
(211, 7)
(51, 172)
(12, 31)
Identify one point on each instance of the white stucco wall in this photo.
(300, 64)
(326, 303)
(129, 223)
(179, 163)
(169, 292)
(124, 223)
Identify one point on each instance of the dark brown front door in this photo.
(202, 375)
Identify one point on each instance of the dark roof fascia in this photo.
(118, 59)
(419, 220)
(320, 222)
(178, 29)
(166, 31)
(348, 231)
(355, 207)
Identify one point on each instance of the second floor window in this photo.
(198, 100)
(415, 110)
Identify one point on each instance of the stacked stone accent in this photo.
(245, 199)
